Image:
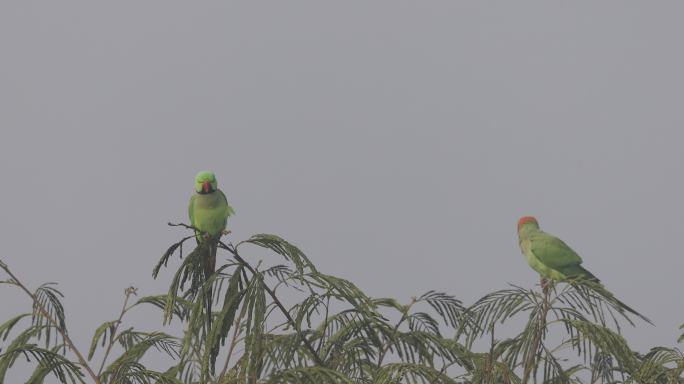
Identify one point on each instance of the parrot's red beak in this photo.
(206, 187)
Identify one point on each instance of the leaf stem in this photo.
(404, 316)
(129, 291)
(280, 305)
(54, 323)
(531, 360)
(233, 343)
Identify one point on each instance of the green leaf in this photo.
(223, 321)
(48, 361)
(7, 326)
(255, 300)
(47, 297)
(447, 306)
(101, 332)
(400, 372)
(606, 340)
(137, 344)
(190, 268)
(280, 246)
(308, 375)
(180, 308)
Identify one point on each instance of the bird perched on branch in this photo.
(555, 260)
(549, 255)
(209, 211)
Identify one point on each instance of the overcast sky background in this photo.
(397, 143)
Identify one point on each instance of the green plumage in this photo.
(555, 260)
(209, 211)
(549, 255)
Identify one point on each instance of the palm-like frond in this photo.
(332, 332)
(583, 309)
(411, 373)
(180, 306)
(282, 247)
(127, 368)
(48, 362)
(307, 375)
(660, 365)
(449, 308)
(223, 321)
(190, 270)
(8, 325)
(106, 328)
(604, 339)
(47, 306)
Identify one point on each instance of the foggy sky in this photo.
(393, 139)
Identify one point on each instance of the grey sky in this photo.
(394, 139)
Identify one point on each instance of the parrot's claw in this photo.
(544, 283)
(226, 232)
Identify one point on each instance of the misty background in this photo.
(396, 143)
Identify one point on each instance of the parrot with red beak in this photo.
(209, 211)
(556, 261)
(549, 255)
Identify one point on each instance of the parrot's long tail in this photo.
(596, 286)
(588, 275)
(209, 265)
(606, 293)
(576, 271)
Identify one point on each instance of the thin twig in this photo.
(182, 225)
(129, 291)
(280, 305)
(325, 325)
(388, 344)
(54, 323)
(536, 341)
(233, 342)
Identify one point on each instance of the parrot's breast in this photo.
(209, 213)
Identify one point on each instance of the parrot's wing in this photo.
(553, 252)
(191, 207)
(191, 214)
(228, 209)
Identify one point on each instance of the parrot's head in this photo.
(205, 182)
(527, 222)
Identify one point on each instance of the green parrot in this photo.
(209, 211)
(549, 255)
(555, 260)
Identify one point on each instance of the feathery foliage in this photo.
(281, 320)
